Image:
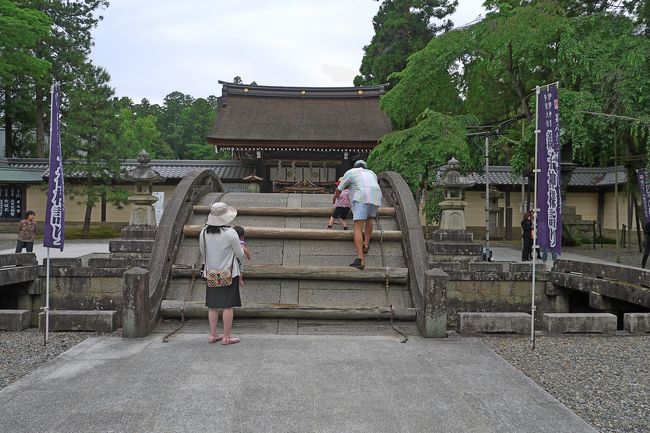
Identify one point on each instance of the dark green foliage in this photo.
(95, 232)
(184, 120)
(417, 152)
(490, 70)
(402, 27)
(89, 137)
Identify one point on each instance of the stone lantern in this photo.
(452, 242)
(142, 211)
(453, 206)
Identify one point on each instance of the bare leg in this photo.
(213, 319)
(343, 223)
(368, 229)
(358, 238)
(227, 322)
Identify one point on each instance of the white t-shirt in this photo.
(221, 249)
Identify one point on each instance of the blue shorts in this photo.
(363, 211)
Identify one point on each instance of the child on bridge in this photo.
(341, 208)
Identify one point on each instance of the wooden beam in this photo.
(289, 211)
(303, 234)
(331, 273)
(197, 309)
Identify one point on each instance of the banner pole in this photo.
(533, 308)
(47, 298)
(487, 199)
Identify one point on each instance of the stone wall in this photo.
(492, 287)
(91, 283)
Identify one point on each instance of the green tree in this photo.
(66, 48)
(140, 132)
(402, 27)
(185, 120)
(489, 71)
(89, 141)
(21, 30)
(417, 152)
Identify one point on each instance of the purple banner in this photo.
(54, 213)
(549, 202)
(644, 189)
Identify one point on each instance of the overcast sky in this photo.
(154, 47)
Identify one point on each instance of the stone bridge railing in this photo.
(428, 288)
(631, 285)
(144, 289)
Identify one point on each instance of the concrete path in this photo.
(71, 249)
(281, 383)
(506, 254)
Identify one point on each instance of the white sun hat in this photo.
(221, 214)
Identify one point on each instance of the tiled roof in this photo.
(582, 176)
(233, 171)
(19, 175)
(281, 115)
(170, 169)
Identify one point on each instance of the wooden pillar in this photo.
(600, 217)
(260, 170)
(508, 216)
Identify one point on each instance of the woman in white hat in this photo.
(219, 246)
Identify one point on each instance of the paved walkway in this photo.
(71, 249)
(279, 383)
(507, 254)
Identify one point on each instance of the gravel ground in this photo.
(22, 352)
(604, 380)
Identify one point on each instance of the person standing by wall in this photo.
(527, 236)
(26, 233)
(366, 199)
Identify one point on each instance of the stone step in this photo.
(197, 309)
(18, 274)
(289, 211)
(292, 252)
(14, 320)
(275, 200)
(329, 273)
(304, 222)
(295, 233)
(564, 323)
(18, 259)
(308, 292)
(493, 323)
(80, 320)
(636, 323)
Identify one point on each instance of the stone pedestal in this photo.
(137, 239)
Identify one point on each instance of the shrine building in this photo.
(300, 139)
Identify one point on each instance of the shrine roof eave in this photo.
(334, 146)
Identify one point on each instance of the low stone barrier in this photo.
(75, 320)
(563, 323)
(493, 323)
(14, 320)
(636, 323)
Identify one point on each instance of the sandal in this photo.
(366, 248)
(230, 340)
(214, 339)
(357, 264)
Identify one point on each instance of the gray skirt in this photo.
(223, 297)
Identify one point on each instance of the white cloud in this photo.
(154, 47)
